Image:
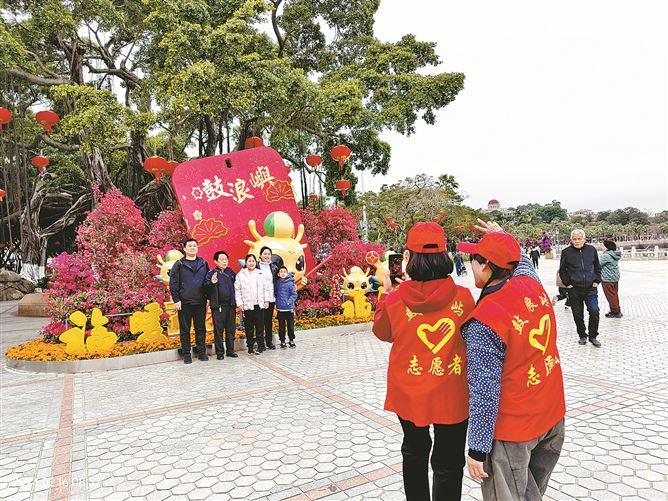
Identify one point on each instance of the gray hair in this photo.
(578, 232)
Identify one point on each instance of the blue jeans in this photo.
(578, 299)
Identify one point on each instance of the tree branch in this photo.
(35, 79)
(274, 22)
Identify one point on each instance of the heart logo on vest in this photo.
(444, 325)
(544, 328)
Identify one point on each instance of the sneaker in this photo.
(271, 346)
(583, 341)
(220, 357)
(555, 299)
(595, 342)
(609, 314)
(233, 355)
(203, 357)
(292, 344)
(567, 307)
(187, 359)
(283, 345)
(617, 315)
(260, 350)
(251, 351)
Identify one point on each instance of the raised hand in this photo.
(488, 227)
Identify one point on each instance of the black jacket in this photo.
(221, 293)
(580, 267)
(186, 281)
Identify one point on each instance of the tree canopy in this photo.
(184, 78)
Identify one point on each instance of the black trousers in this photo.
(286, 319)
(224, 323)
(578, 299)
(447, 461)
(192, 314)
(535, 262)
(268, 317)
(254, 327)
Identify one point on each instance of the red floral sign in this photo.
(220, 195)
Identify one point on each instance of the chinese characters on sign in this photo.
(237, 191)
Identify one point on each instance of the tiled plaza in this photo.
(308, 423)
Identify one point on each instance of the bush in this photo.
(113, 268)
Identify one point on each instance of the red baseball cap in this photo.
(426, 238)
(498, 248)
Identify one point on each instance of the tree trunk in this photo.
(97, 170)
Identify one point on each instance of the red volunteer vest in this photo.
(532, 387)
(426, 376)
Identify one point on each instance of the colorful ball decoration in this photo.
(340, 154)
(342, 185)
(5, 116)
(253, 142)
(156, 166)
(48, 119)
(313, 198)
(40, 162)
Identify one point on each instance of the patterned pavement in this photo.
(308, 423)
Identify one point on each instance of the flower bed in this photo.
(40, 350)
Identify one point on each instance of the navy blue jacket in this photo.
(221, 293)
(580, 267)
(186, 281)
(286, 294)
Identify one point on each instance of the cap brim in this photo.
(467, 247)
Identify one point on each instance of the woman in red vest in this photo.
(517, 408)
(426, 377)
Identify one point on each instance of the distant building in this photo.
(493, 205)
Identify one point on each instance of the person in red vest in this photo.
(426, 376)
(517, 407)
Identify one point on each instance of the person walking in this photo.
(580, 272)
(270, 273)
(426, 378)
(252, 295)
(562, 294)
(220, 282)
(610, 277)
(535, 255)
(459, 263)
(517, 406)
(186, 284)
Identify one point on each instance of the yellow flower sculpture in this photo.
(148, 323)
(100, 340)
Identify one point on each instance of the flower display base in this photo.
(156, 357)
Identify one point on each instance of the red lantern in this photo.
(156, 166)
(437, 219)
(441, 213)
(394, 226)
(2, 194)
(388, 219)
(171, 167)
(340, 154)
(5, 116)
(342, 185)
(314, 160)
(253, 142)
(460, 228)
(40, 162)
(48, 119)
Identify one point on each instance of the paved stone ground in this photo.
(308, 423)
